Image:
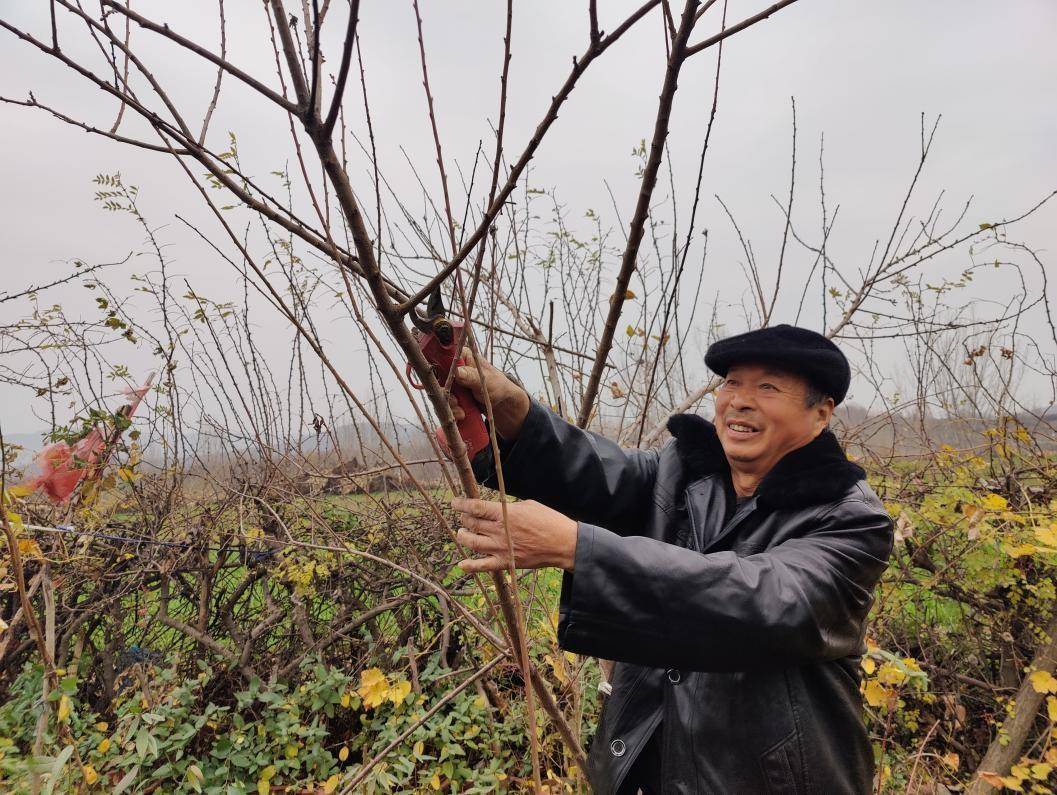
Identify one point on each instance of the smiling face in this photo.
(761, 414)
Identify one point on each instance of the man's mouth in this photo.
(741, 430)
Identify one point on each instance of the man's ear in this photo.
(824, 413)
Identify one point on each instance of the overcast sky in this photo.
(861, 73)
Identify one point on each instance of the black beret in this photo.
(797, 350)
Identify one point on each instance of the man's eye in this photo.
(769, 387)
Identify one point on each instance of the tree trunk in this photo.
(1005, 748)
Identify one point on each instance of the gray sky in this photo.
(861, 73)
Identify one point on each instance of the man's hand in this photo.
(540, 536)
(510, 403)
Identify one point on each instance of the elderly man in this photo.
(730, 573)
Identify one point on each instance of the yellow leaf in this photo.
(104, 745)
(1043, 682)
(195, 775)
(1020, 550)
(995, 502)
(628, 295)
(558, 667)
(630, 331)
(419, 748)
(268, 773)
(951, 760)
(331, 784)
(891, 674)
(1051, 709)
(29, 548)
(876, 694)
(1051, 755)
(343, 754)
(868, 665)
(398, 692)
(480, 702)
(102, 726)
(435, 781)
(374, 687)
(263, 786)
(1020, 772)
(127, 474)
(64, 708)
(1041, 771)
(291, 751)
(346, 698)
(90, 776)
(20, 490)
(1047, 536)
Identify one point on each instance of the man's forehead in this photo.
(762, 369)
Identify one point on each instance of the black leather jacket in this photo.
(740, 627)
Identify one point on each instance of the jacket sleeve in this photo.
(582, 474)
(646, 602)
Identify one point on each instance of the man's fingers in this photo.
(485, 527)
(466, 376)
(456, 409)
(491, 563)
(481, 509)
(479, 542)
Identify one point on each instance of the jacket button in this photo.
(617, 748)
(674, 676)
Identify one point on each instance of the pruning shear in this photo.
(441, 339)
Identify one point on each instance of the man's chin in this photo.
(739, 449)
(742, 452)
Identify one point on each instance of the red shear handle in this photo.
(443, 357)
(471, 428)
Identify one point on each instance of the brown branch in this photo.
(642, 208)
(436, 132)
(579, 66)
(234, 71)
(220, 76)
(194, 634)
(745, 23)
(297, 76)
(124, 75)
(343, 71)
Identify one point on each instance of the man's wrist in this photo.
(510, 415)
(568, 557)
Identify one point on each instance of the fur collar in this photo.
(815, 474)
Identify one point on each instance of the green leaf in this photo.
(56, 769)
(126, 781)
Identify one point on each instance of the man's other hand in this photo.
(510, 403)
(539, 535)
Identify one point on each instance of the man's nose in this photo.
(742, 399)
